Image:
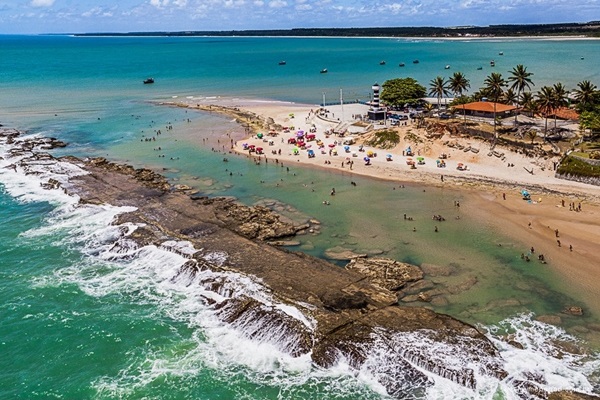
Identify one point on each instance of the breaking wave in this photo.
(189, 286)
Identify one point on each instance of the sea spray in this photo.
(114, 266)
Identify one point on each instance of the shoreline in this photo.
(510, 216)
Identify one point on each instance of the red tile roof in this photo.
(566, 113)
(486, 106)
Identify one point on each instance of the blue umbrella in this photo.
(367, 159)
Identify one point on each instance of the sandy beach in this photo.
(492, 186)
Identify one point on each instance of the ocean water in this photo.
(78, 321)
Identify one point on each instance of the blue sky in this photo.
(74, 16)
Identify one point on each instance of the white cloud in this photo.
(97, 12)
(393, 8)
(277, 4)
(234, 3)
(42, 3)
(180, 3)
(159, 3)
(259, 3)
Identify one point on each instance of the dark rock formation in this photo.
(571, 395)
(296, 302)
(385, 273)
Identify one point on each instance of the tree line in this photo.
(513, 90)
(560, 29)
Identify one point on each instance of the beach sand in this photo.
(493, 188)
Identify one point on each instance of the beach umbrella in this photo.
(259, 135)
(420, 158)
(367, 159)
(346, 148)
(331, 145)
(388, 155)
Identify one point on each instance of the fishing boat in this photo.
(501, 53)
(148, 80)
(415, 61)
(479, 68)
(324, 71)
(382, 62)
(447, 66)
(282, 62)
(401, 65)
(492, 63)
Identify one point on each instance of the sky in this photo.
(80, 16)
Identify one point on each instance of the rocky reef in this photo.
(301, 304)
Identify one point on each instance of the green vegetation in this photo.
(400, 91)
(562, 29)
(575, 166)
(384, 139)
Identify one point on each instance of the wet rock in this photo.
(464, 286)
(438, 270)
(573, 310)
(284, 243)
(341, 254)
(439, 301)
(350, 316)
(571, 395)
(342, 301)
(52, 184)
(550, 319)
(386, 273)
(264, 323)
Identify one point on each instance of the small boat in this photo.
(324, 71)
(401, 65)
(149, 80)
(582, 58)
(382, 62)
(501, 53)
(447, 66)
(282, 62)
(492, 63)
(479, 68)
(415, 61)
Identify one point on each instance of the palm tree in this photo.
(520, 80)
(438, 87)
(458, 84)
(527, 101)
(585, 93)
(510, 97)
(545, 103)
(560, 98)
(494, 85)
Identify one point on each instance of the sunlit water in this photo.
(80, 323)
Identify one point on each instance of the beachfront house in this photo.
(486, 109)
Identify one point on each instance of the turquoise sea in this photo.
(76, 323)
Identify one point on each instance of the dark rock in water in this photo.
(573, 310)
(51, 184)
(571, 395)
(385, 273)
(298, 303)
(265, 323)
(343, 301)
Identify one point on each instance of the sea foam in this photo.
(114, 265)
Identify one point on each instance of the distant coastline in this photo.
(584, 30)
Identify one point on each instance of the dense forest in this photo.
(591, 29)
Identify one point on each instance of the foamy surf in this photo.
(112, 264)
